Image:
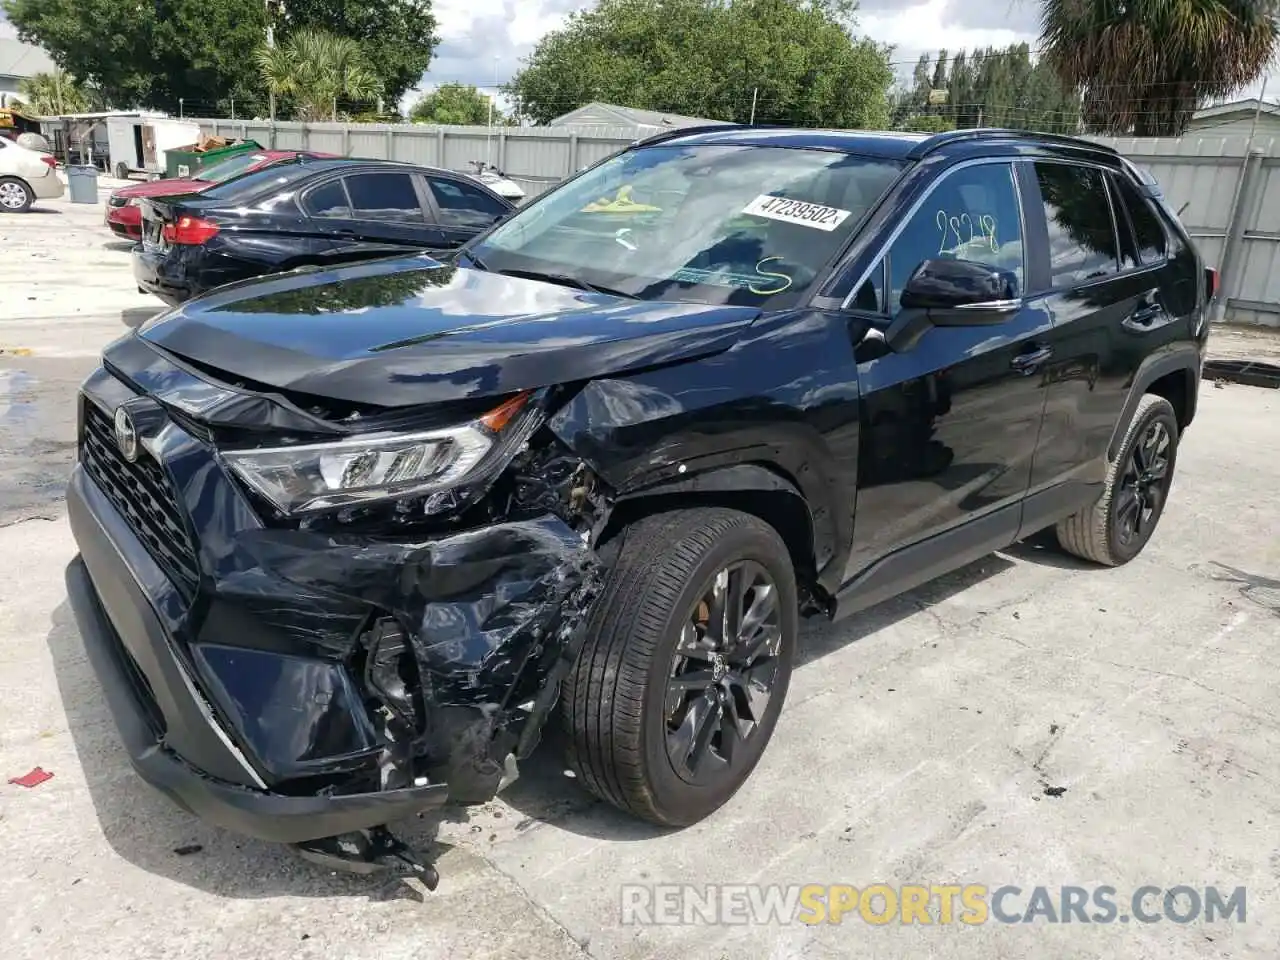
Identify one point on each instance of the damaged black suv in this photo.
(349, 538)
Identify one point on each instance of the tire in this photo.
(617, 709)
(15, 195)
(1099, 533)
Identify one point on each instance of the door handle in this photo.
(1146, 312)
(1026, 363)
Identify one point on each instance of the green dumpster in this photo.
(188, 161)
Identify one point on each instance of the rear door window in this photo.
(1082, 234)
(462, 205)
(389, 197)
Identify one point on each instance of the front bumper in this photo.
(241, 673)
(253, 812)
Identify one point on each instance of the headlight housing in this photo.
(310, 478)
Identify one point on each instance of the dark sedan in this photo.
(305, 212)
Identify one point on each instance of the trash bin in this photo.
(82, 184)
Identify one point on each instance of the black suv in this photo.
(348, 539)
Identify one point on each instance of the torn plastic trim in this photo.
(482, 616)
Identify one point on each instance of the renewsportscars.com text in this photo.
(971, 904)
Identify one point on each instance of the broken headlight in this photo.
(344, 473)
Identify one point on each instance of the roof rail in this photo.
(939, 140)
(684, 131)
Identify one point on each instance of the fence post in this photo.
(502, 149)
(215, 128)
(306, 137)
(391, 144)
(1231, 265)
(439, 147)
(573, 154)
(346, 139)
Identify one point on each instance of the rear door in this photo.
(1107, 280)
(372, 213)
(463, 209)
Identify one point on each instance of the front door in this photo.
(949, 425)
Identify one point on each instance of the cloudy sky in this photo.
(484, 40)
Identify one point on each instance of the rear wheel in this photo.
(1116, 528)
(15, 195)
(686, 664)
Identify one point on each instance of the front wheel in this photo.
(686, 664)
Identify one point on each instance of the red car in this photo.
(124, 217)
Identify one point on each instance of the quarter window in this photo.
(1147, 229)
(972, 214)
(462, 205)
(1082, 234)
(384, 196)
(329, 200)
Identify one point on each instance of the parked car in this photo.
(124, 215)
(305, 213)
(25, 177)
(350, 537)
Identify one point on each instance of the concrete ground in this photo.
(1027, 720)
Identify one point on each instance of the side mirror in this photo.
(952, 293)
(958, 284)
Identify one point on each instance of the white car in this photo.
(25, 177)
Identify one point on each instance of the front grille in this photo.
(143, 495)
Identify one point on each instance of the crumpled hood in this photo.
(412, 330)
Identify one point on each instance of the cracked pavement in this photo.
(1028, 720)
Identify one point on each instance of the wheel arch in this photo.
(1174, 376)
(762, 490)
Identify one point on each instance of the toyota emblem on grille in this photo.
(126, 435)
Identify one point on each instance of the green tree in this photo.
(152, 53)
(398, 37)
(1144, 66)
(314, 69)
(797, 61)
(455, 103)
(991, 87)
(50, 94)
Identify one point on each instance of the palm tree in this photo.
(1144, 66)
(52, 94)
(314, 68)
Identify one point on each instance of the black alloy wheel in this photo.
(723, 672)
(685, 665)
(1143, 486)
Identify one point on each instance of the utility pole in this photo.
(488, 140)
(271, 43)
(755, 91)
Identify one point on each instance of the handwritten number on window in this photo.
(983, 236)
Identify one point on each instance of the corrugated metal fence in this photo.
(1227, 188)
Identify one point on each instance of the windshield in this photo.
(230, 167)
(724, 224)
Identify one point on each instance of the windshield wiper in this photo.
(565, 280)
